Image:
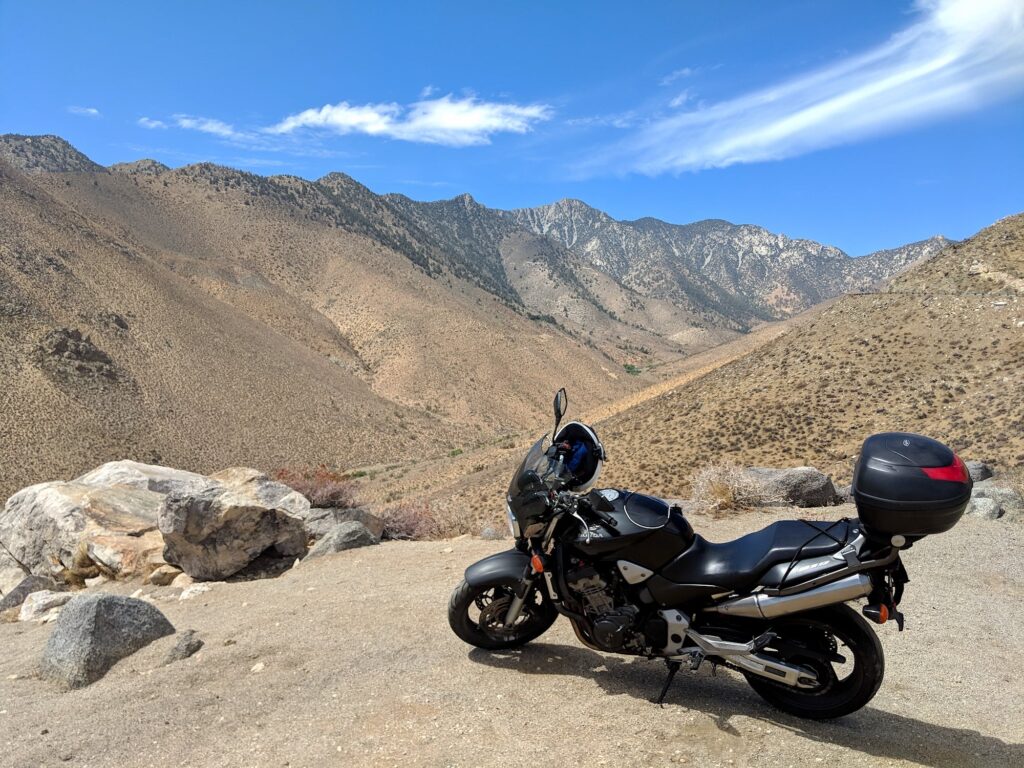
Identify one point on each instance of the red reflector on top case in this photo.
(954, 473)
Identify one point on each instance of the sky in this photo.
(864, 124)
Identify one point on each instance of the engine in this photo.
(612, 625)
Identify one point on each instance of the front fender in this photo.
(498, 569)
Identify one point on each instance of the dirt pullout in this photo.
(348, 660)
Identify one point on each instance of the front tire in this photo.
(818, 639)
(476, 615)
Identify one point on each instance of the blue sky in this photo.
(860, 124)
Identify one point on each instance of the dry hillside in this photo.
(941, 351)
(204, 338)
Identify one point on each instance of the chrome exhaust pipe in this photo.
(762, 606)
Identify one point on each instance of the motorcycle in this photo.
(632, 576)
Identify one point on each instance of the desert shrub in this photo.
(725, 487)
(419, 520)
(322, 486)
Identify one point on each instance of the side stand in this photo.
(673, 667)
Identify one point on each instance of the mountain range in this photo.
(151, 312)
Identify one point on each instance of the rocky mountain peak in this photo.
(144, 167)
(45, 154)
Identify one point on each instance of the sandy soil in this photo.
(359, 667)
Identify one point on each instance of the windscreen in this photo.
(538, 473)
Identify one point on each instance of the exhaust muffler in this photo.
(768, 607)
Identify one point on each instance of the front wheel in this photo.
(842, 650)
(477, 615)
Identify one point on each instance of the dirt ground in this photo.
(348, 660)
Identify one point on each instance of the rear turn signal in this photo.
(877, 613)
(956, 472)
(537, 563)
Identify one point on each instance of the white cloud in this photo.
(958, 55)
(208, 125)
(445, 120)
(681, 98)
(147, 122)
(84, 111)
(671, 77)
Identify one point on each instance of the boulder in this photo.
(800, 486)
(26, 587)
(216, 532)
(987, 509)
(93, 632)
(146, 477)
(347, 535)
(319, 521)
(1005, 502)
(978, 470)
(188, 643)
(76, 530)
(42, 605)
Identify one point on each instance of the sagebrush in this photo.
(724, 487)
(322, 486)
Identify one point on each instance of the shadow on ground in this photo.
(871, 731)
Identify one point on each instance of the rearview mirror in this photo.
(561, 404)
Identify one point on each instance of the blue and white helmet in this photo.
(585, 465)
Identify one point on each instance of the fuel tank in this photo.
(648, 531)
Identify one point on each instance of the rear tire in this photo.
(837, 628)
(474, 614)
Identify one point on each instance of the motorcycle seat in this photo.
(739, 564)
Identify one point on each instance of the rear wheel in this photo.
(842, 650)
(477, 615)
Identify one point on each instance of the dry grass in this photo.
(728, 487)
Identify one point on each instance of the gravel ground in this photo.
(348, 660)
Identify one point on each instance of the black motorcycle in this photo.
(632, 577)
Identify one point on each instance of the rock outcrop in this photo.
(76, 531)
(319, 521)
(94, 632)
(992, 501)
(146, 477)
(217, 531)
(800, 486)
(348, 535)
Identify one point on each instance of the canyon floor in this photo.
(348, 660)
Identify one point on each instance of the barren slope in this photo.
(105, 353)
(940, 352)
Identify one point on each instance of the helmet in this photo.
(587, 455)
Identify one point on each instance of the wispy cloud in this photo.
(208, 125)
(671, 77)
(956, 56)
(681, 98)
(454, 122)
(84, 111)
(626, 119)
(148, 122)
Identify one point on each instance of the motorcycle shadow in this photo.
(870, 731)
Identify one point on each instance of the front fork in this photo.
(533, 570)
